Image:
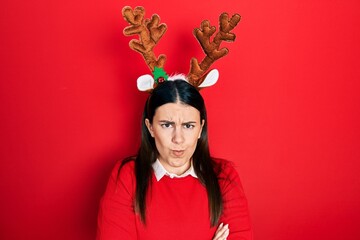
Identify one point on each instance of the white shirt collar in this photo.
(160, 171)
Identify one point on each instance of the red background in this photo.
(286, 109)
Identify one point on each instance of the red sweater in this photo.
(177, 208)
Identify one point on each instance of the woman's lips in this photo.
(177, 153)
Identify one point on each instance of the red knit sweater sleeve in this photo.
(235, 212)
(116, 218)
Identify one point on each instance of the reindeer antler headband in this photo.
(150, 32)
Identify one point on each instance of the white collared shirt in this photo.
(160, 171)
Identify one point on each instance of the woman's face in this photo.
(176, 127)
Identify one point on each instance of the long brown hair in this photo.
(172, 92)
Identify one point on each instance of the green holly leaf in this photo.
(159, 73)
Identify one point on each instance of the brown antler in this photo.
(149, 32)
(211, 49)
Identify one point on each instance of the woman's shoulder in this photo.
(223, 166)
(121, 184)
(123, 170)
(128, 164)
(226, 173)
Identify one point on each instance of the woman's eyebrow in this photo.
(189, 122)
(167, 121)
(172, 122)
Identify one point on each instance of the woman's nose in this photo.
(178, 136)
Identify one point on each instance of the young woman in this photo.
(173, 188)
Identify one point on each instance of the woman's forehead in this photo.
(177, 111)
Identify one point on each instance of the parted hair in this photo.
(185, 93)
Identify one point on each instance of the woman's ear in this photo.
(149, 127)
(201, 127)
